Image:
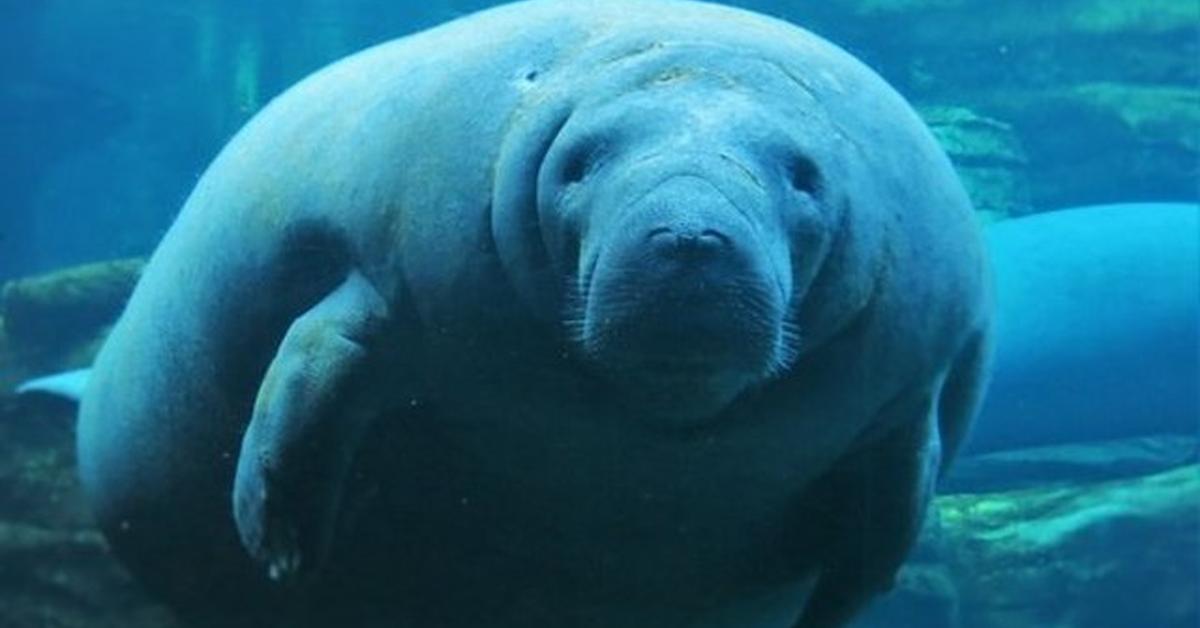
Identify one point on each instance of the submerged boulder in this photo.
(1110, 139)
(67, 579)
(1101, 555)
(988, 157)
(55, 321)
(55, 568)
(1096, 128)
(1079, 556)
(1071, 464)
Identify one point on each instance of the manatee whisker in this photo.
(787, 348)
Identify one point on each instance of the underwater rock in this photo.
(37, 458)
(988, 156)
(1070, 464)
(1154, 113)
(1066, 555)
(55, 568)
(53, 321)
(1079, 16)
(67, 579)
(1078, 556)
(1095, 130)
(1110, 140)
(966, 43)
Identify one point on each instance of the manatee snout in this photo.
(680, 300)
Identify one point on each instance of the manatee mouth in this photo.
(677, 342)
(673, 390)
(645, 339)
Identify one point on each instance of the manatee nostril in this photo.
(714, 237)
(659, 233)
(686, 242)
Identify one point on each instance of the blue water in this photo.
(111, 109)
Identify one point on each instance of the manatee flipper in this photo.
(873, 503)
(962, 396)
(869, 510)
(311, 412)
(68, 385)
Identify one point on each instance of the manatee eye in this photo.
(580, 162)
(575, 167)
(804, 175)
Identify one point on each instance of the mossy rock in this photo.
(1062, 555)
(1095, 142)
(53, 321)
(972, 139)
(957, 51)
(55, 568)
(1070, 464)
(37, 463)
(1017, 20)
(1111, 554)
(1142, 16)
(988, 156)
(1153, 114)
(68, 579)
(1156, 114)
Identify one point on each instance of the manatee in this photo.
(561, 314)
(1097, 326)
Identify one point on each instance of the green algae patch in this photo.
(988, 156)
(1071, 555)
(52, 321)
(1156, 112)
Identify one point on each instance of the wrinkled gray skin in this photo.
(563, 314)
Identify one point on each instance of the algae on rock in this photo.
(55, 567)
(1094, 142)
(1078, 556)
(1100, 94)
(1060, 553)
(53, 321)
(988, 157)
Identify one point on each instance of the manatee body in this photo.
(1097, 326)
(562, 314)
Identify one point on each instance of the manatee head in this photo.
(675, 221)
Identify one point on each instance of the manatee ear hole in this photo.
(804, 175)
